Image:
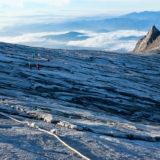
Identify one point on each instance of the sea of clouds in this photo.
(111, 41)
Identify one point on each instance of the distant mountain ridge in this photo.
(101, 32)
(132, 21)
(149, 43)
(70, 36)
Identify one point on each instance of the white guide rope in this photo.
(48, 132)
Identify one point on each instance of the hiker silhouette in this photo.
(37, 65)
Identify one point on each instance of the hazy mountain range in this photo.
(132, 21)
(103, 33)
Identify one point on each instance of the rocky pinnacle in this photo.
(149, 43)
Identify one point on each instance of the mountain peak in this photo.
(150, 42)
(154, 30)
(152, 35)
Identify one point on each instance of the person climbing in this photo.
(37, 65)
(39, 56)
(33, 55)
(48, 58)
(30, 66)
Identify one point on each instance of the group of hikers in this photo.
(30, 66)
(37, 64)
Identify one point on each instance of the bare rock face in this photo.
(149, 43)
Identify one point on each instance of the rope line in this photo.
(48, 132)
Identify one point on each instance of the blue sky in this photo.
(75, 7)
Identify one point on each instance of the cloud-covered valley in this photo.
(121, 40)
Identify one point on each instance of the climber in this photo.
(48, 58)
(33, 55)
(30, 66)
(37, 65)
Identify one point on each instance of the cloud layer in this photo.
(110, 40)
(103, 41)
